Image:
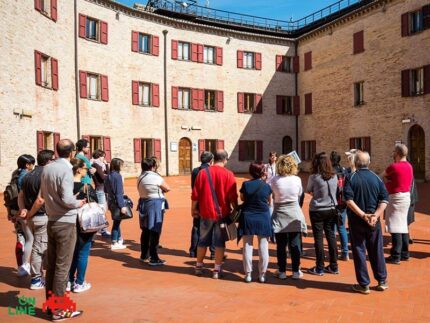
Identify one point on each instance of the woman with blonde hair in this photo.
(288, 220)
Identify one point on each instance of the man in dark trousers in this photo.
(206, 159)
(367, 198)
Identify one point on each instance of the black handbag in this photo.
(337, 212)
(116, 210)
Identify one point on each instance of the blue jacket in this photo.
(114, 187)
(151, 214)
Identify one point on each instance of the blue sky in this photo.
(276, 9)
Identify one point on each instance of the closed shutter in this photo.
(56, 140)
(201, 100)
(308, 61)
(54, 73)
(103, 32)
(406, 83)
(296, 64)
(240, 102)
(242, 150)
(105, 87)
(83, 84)
(296, 105)
(218, 51)
(54, 10)
(174, 49)
(38, 5)
(155, 46)
(134, 41)
(38, 67)
(303, 150)
(279, 107)
(352, 143)
(155, 91)
(220, 144)
(157, 148)
(219, 101)
(427, 79)
(426, 17)
(366, 146)
(258, 99)
(258, 61)
(82, 25)
(107, 148)
(137, 150)
(308, 103)
(259, 145)
(313, 148)
(202, 147)
(40, 141)
(174, 97)
(194, 52)
(240, 59)
(278, 66)
(195, 99)
(135, 92)
(405, 24)
(359, 40)
(200, 53)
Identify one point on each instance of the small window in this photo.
(250, 150)
(96, 142)
(48, 140)
(92, 29)
(417, 79)
(46, 6)
(286, 105)
(183, 51)
(210, 145)
(147, 148)
(208, 55)
(358, 93)
(286, 65)
(248, 102)
(248, 60)
(362, 143)
(144, 94)
(416, 22)
(144, 43)
(93, 86)
(209, 100)
(184, 99)
(45, 67)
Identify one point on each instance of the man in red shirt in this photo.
(213, 212)
(398, 180)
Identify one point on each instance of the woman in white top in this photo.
(288, 220)
(270, 167)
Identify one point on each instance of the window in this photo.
(416, 22)
(308, 103)
(248, 60)
(144, 43)
(144, 94)
(248, 102)
(209, 100)
(358, 93)
(284, 104)
(146, 148)
(91, 30)
(45, 71)
(96, 143)
(358, 42)
(93, 86)
(286, 65)
(47, 140)
(210, 145)
(184, 98)
(308, 61)
(362, 143)
(99, 142)
(417, 80)
(250, 150)
(47, 8)
(308, 149)
(183, 51)
(208, 55)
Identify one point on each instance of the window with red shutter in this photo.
(308, 61)
(194, 52)
(157, 149)
(174, 97)
(406, 83)
(219, 101)
(135, 92)
(242, 150)
(258, 103)
(174, 49)
(358, 42)
(201, 147)
(240, 102)
(107, 148)
(155, 45)
(200, 53)
(54, 73)
(82, 25)
(296, 64)
(308, 103)
(220, 144)
(195, 99)
(104, 87)
(103, 32)
(201, 99)
(40, 141)
(137, 150)
(296, 106)
(134, 41)
(278, 64)
(427, 79)
(38, 5)
(259, 145)
(258, 61)
(405, 24)
(38, 67)
(219, 57)
(54, 14)
(240, 59)
(426, 16)
(56, 140)
(155, 95)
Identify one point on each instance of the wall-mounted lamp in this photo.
(117, 15)
(228, 40)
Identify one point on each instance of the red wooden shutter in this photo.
(240, 102)
(38, 5)
(174, 49)
(296, 64)
(107, 148)
(54, 10)
(308, 61)
(279, 107)
(218, 51)
(83, 84)
(426, 17)
(259, 145)
(135, 92)
(278, 66)
(155, 95)
(137, 150)
(219, 99)
(352, 143)
(358, 42)
(157, 148)
(220, 144)
(103, 32)
(200, 53)
(56, 140)
(406, 83)
(194, 52)
(195, 99)
(258, 61)
(134, 41)
(202, 147)
(296, 105)
(242, 150)
(258, 99)
(405, 24)
(38, 67)
(82, 25)
(308, 103)
(40, 141)
(427, 79)
(155, 45)
(240, 59)
(105, 87)
(174, 97)
(303, 150)
(201, 100)
(54, 73)
(366, 146)
(313, 148)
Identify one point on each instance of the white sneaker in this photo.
(69, 286)
(248, 278)
(297, 274)
(281, 275)
(262, 278)
(121, 241)
(24, 270)
(117, 246)
(81, 288)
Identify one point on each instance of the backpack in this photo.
(340, 185)
(10, 195)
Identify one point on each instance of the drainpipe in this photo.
(166, 129)
(296, 46)
(78, 122)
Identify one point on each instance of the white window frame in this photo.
(93, 85)
(184, 97)
(144, 94)
(184, 51)
(249, 60)
(209, 55)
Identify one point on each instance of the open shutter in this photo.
(303, 150)
(308, 61)
(258, 99)
(358, 42)
(240, 102)
(54, 74)
(259, 145)
(134, 41)
(194, 52)
(296, 105)
(313, 148)
(220, 144)
(427, 79)
(38, 5)
(83, 84)
(103, 32)
(279, 107)
(406, 83)
(107, 148)
(240, 59)
(39, 138)
(105, 87)
(137, 150)
(195, 99)
(308, 103)
(202, 147)
(218, 52)
(278, 66)
(157, 148)
(426, 16)
(82, 25)
(56, 140)
(38, 67)
(296, 64)
(219, 97)
(242, 150)
(258, 61)
(366, 146)
(200, 53)
(54, 10)
(155, 45)
(174, 49)
(352, 143)
(174, 97)
(135, 92)
(405, 24)
(201, 100)
(155, 91)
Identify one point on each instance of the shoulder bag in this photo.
(91, 216)
(337, 212)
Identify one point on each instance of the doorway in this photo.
(417, 151)
(287, 145)
(185, 155)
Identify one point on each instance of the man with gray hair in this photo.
(398, 179)
(367, 198)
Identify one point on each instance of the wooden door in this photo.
(185, 153)
(417, 151)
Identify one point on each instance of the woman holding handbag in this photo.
(255, 220)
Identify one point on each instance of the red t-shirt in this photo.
(225, 188)
(399, 176)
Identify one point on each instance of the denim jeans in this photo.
(400, 247)
(116, 231)
(101, 197)
(80, 257)
(343, 234)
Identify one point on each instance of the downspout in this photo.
(296, 46)
(78, 122)
(166, 130)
